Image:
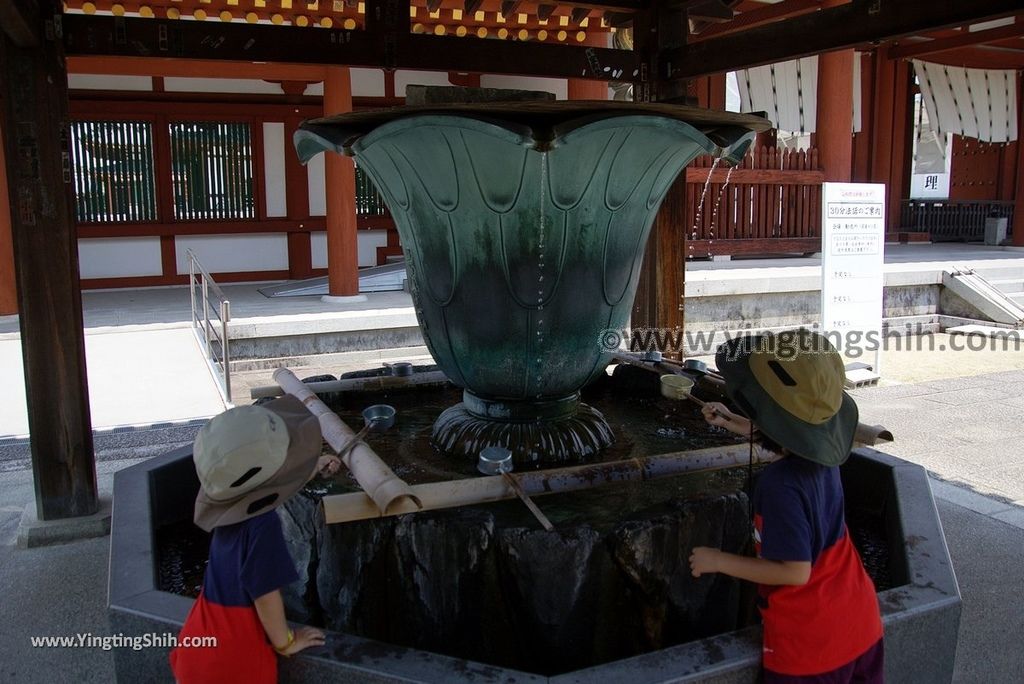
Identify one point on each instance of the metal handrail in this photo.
(207, 335)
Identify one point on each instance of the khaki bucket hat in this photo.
(251, 459)
(790, 384)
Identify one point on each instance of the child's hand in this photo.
(328, 466)
(715, 413)
(304, 638)
(703, 560)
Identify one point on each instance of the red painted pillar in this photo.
(585, 89)
(711, 91)
(861, 172)
(340, 179)
(1018, 205)
(890, 115)
(8, 286)
(834, 130)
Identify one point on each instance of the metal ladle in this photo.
(679, 387)
(376, 418)
(496, 460)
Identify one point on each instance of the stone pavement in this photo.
(967, 431)
(136, 377)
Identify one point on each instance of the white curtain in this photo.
(788, 92)
(976, 103)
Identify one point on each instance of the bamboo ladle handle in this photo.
(514, 485)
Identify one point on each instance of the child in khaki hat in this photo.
(819, 607)
(250, 460)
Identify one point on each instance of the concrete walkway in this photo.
(136, 377)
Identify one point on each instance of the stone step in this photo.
(1009, 285)
(366, 358)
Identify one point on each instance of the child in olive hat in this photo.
(250, 460)
(819, 607)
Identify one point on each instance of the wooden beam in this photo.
(444, 53)
(837, 28)
(579, 14)
(766, 14)
(511, 7)
(167, 67)
(964, 39)
(544, 12)
(91, 35)
(616, 6)
(21, 21)
(712, 10)
(37, 154)
(750, 246)
(471, 6)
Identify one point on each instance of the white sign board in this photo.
(852, 252)
(929, 186)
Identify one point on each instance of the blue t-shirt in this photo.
(247, 560)
(801, 505)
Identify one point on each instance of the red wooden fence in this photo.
(772, 204)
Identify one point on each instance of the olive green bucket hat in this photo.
(790, 384)
(251, 459)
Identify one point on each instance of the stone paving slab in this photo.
(135, 378)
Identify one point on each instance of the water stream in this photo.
(700, 204)
(718, 203)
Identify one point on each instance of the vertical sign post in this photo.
(852, 258)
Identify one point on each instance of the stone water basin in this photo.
(483, 594)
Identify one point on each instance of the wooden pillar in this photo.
(659, 301)
(890, 120)
(342, 239)
(834, 129)
(8, 286)
(296, 187)
(711, 91)
(586, 89)
(1018, 205)
(52, 340)
(660, 297)
(901, 152)
(861, 172)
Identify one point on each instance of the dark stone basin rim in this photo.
(921, 618)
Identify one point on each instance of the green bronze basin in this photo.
(524, 227)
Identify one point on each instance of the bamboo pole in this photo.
(378, 383)
(341, 508)
(384, 490)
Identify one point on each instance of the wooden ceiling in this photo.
(684, 38)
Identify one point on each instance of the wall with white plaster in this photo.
(119, 257)
(230, 253)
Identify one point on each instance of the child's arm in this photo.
(760, 570)
(715, 413)
(270, 608)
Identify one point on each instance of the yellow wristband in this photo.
(291, 640)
